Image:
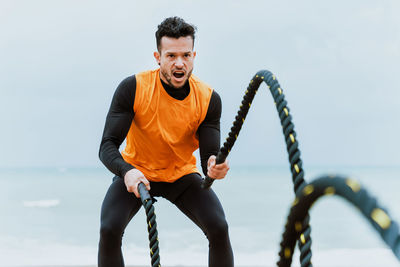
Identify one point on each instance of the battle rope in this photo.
(291, 145)
(151, 225)
(297, 226)
(348, 189)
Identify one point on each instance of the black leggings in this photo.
(200, 205)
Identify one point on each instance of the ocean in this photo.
(51, 216)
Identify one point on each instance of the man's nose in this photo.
(179, 62)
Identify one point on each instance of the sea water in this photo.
(51, 217)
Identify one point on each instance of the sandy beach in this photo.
(126, 266)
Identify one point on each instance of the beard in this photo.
(168, 77)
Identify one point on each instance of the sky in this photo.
(338, 63)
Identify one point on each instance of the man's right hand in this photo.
(132, 179)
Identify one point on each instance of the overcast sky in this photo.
(338, 63)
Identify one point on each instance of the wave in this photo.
(44, 203)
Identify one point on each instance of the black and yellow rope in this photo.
(147, 202)
(292, 145)
(352, 191)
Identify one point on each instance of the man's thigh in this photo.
(119, 206)
(202, 206)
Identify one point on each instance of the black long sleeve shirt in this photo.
(121, 115)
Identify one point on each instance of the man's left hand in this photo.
(217, 171)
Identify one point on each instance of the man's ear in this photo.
(157, 57)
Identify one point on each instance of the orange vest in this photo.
(162, 137)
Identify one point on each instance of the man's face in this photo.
(175, 58)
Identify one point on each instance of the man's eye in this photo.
(171, 56)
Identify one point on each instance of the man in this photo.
(165, 115)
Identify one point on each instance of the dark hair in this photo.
(174, 27)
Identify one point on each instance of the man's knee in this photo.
(218, 230)
(111, 236)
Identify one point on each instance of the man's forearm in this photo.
(112, 159)
(209, 143)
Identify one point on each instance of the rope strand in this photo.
(290, 138)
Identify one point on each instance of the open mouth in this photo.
(178, 74)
